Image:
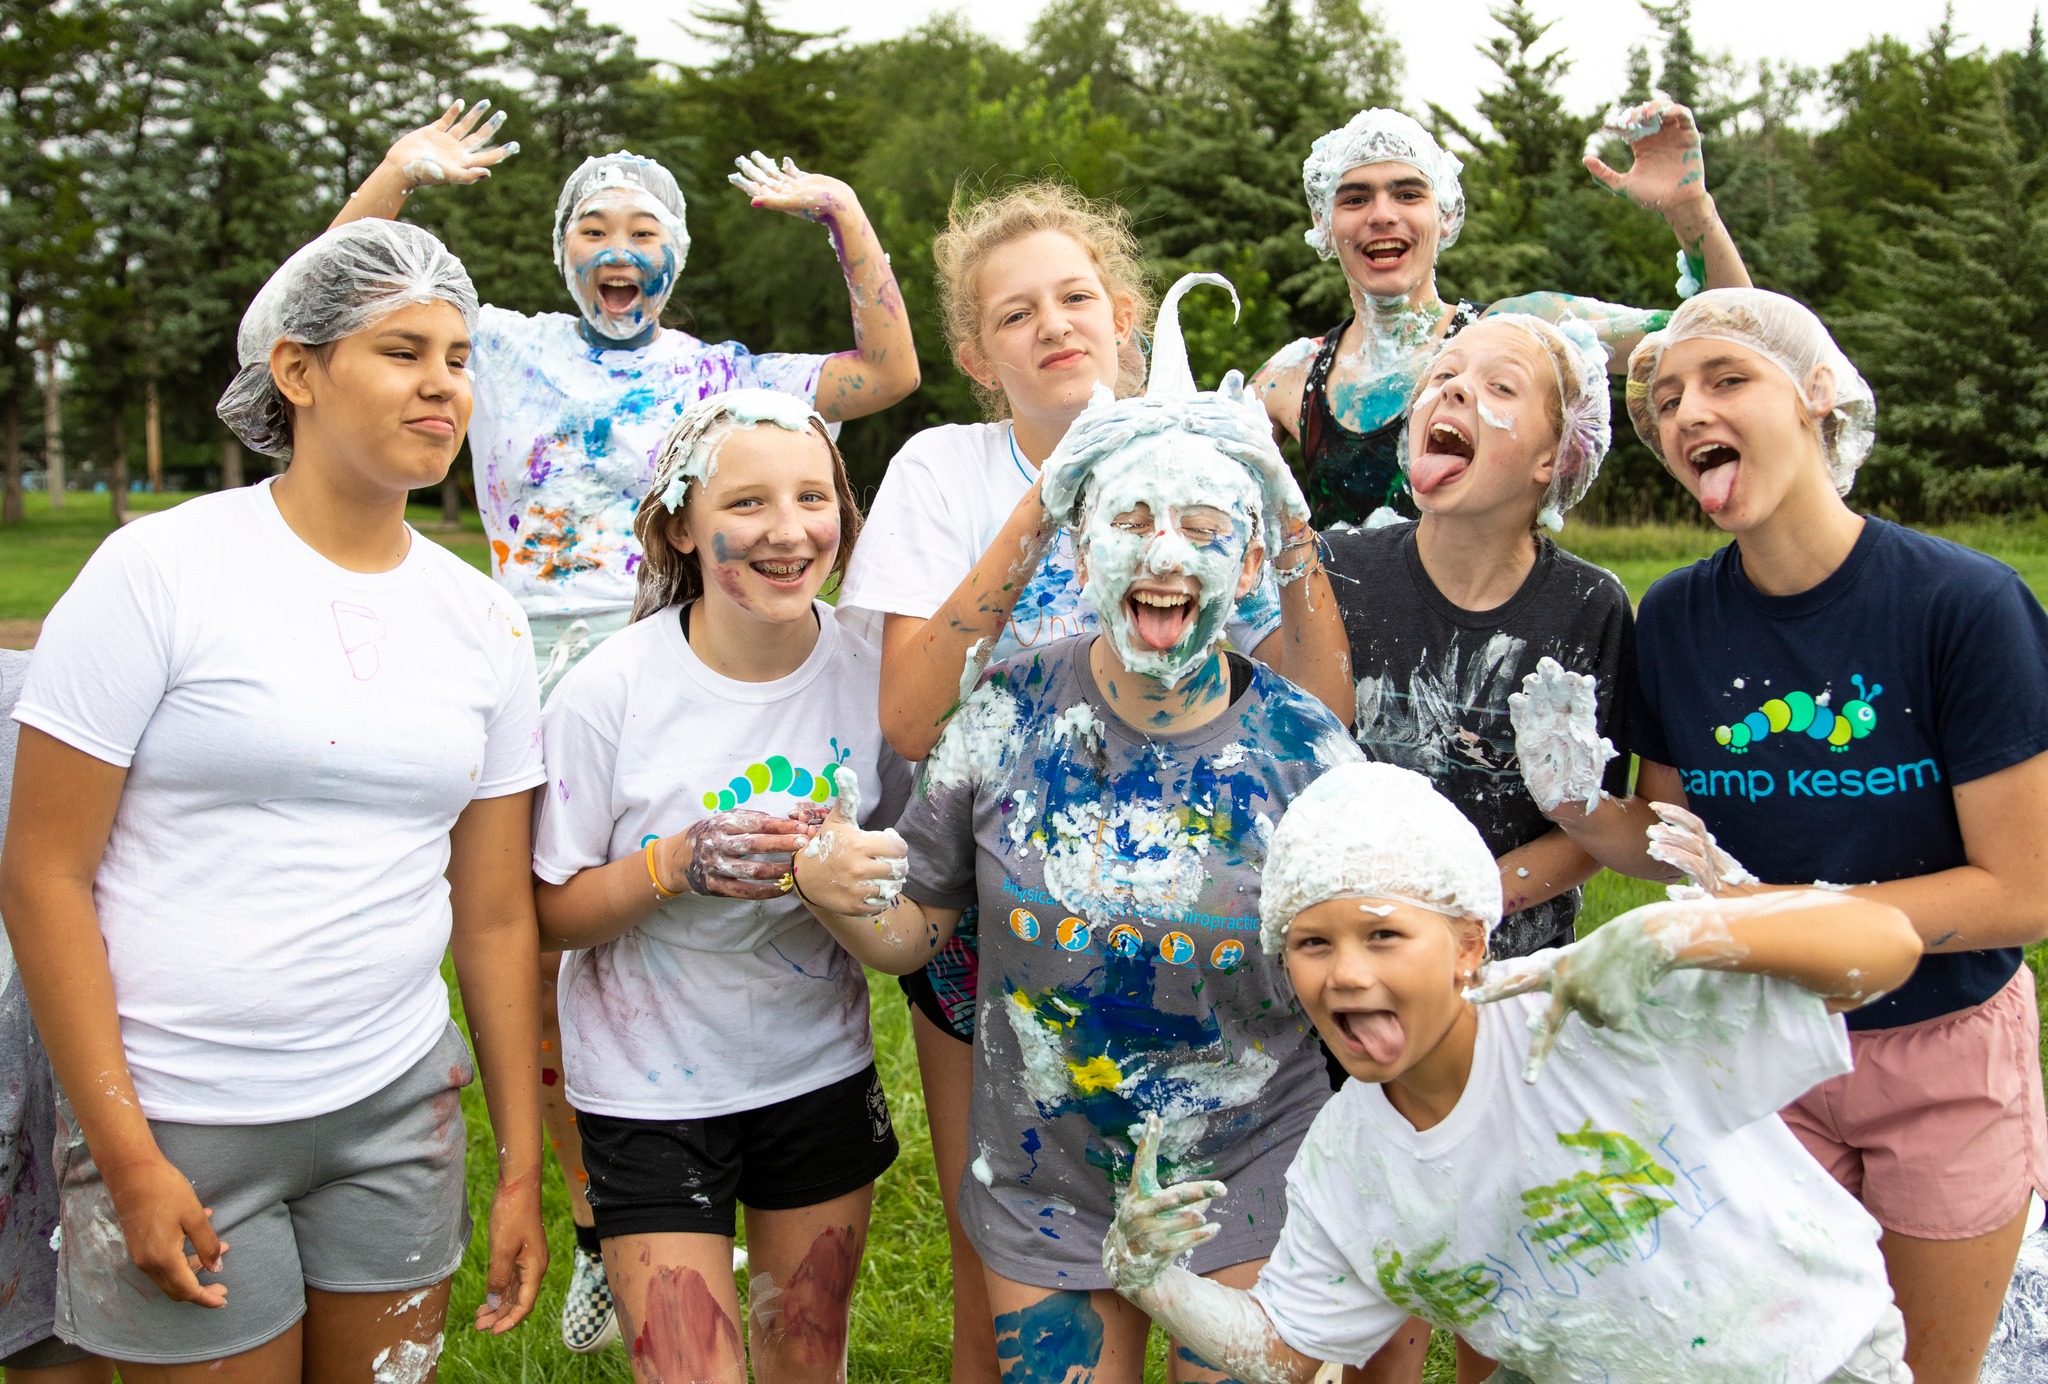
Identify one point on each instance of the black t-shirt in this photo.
(1819, 735)
(1434, 682)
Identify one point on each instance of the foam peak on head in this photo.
(690, 450)
(1375, 831)
(1379, 135)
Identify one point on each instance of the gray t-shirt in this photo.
(1118, 879)
(28, 1129)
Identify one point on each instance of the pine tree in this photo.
(2026, 92)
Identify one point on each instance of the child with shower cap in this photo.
(1385, 200)
(1842, 698)
(1607, 1196)
(1106, 800)
(570, 410)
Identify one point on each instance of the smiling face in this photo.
(1168, 542)
(1381, 979)
(764, 527)
(1735, 432)
(390, 402)
(1385, 225)
(1483, 433)
(1048, 329)
(621, 264)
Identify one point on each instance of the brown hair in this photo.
(973, 234)
(670, 577)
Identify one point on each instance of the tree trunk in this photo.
(53, 429)
(451, 499)
(10, 458)
(230, 460)
(153, 437)
(117, 478)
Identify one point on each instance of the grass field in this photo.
(901, 1327)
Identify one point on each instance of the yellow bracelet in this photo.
(661, 895)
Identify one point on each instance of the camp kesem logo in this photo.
(1802, 713)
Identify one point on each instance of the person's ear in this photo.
(1546, 469)
(291, 370)
(1254, 568)
(967, 355)
(677, 531)
(1471, 938)
(1819, 394)
(1123, 313)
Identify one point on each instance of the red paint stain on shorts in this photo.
(686, 1336)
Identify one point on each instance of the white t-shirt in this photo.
(944, 498)
(711, 1005)
(299, 739)
(563, 439)
(1640, 1214)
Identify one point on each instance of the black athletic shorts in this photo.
(656, 1177)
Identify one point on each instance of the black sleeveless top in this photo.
(1351, 474)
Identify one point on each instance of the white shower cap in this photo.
(1379, 135)
(1787, 334)
(1375, 831)
(642, 183)
(335, 286)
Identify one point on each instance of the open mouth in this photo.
(1718, 467)
(1446, 455)
(783, 571)
(1374, 1034)
(1160, 618)
(618, 293)
(1384, 253)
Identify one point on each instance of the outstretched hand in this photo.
(1668, 170)
(1681, 840)
(456, 148)
(813, 196)
(848, 871)
(1557, 737)
(1155, 1225)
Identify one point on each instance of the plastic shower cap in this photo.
(334, 286)
(1375, 831)
(1379, 135)
(1787, 334)
(643, 182)
(1230, 419)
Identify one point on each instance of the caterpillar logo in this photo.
(776, 774)
(1801, 713)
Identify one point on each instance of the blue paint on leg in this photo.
(1196, 1370)
(1047, 1342)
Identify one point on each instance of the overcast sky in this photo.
(1437, 36)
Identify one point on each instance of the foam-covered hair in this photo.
(1378, 135)
(1375, 831)
(336, 284)
(689, 452)
(1230, 419)
(651, 188)
(1789, 336)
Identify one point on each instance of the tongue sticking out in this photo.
(1380, 1033)
(1432, 469)
(1717, 486)
(617, 297)
(1160, 627)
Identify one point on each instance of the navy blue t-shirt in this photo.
(1819, 735)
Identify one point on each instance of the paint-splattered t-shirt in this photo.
(1639, 1213)
(710, 1005)
(563, 440)
(1434, 682)
(1117, 876)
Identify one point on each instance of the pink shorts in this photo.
(1939, 1131)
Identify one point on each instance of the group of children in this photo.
(1227, 834)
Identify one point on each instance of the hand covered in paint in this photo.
(1557, 737)
(738, 854)
(1155, 1225)
(1604, 978)
(1669, 171)
(813, 196)
(456, 148)
(1682, 841)
(848, 871)
(159, 1213)
(519, 1256)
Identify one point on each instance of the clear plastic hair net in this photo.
(1787, 334)
(335, 286)
(625, 180)
(1375, 831)
(1379, 135)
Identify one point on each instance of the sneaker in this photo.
(589, 1322)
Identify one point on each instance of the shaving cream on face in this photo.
(690, 451)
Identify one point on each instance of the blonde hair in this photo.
(975, 232)
(670, 577)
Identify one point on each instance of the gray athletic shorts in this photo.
(367, 1199)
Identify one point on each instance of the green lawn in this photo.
(902, 1314)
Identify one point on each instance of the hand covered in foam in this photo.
(848, 871)
(456, 148)
(1682, 841)
(739, 854)
(1155, 1225)
(788, 188)
(1557, 738)
(1668, 171)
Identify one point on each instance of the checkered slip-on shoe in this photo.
(589, 1321)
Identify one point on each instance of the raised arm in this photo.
(455, 149)
(882, 367)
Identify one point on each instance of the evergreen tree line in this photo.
(158, 158)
